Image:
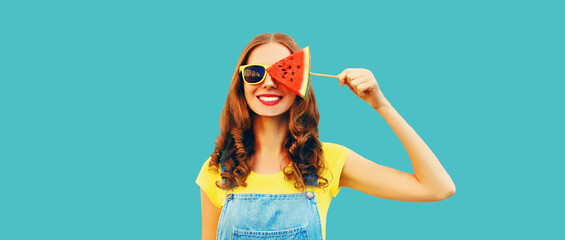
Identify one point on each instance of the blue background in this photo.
(108, 110)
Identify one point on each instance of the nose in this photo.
(269, 82)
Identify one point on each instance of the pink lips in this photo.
(269, 95)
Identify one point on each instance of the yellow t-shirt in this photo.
(334, 156)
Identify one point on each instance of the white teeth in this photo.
(269, 99)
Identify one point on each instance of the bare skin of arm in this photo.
(210, 217)
(430, 182)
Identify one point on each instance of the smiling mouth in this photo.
(269, 99)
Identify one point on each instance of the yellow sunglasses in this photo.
(253, 73)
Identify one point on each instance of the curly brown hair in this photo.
(236, 141)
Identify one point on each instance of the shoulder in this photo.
(334, 158)
(207, 181)
(332, 146)
(334, 152)
(205, 171)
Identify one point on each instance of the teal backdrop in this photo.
(108, 109)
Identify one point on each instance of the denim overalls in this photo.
(270, 216)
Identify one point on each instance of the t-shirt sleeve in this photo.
(207, 182)
(334, 155)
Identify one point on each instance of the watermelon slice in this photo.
(293, 71)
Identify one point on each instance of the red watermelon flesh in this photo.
(293, 71)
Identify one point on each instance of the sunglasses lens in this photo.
(253, 74)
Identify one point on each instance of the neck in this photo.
(270, 133)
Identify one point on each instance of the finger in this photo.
(355, 73)
(364, 87)
(357, 81)
(343, 73)
(342, 76)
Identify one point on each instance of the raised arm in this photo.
(430, 181)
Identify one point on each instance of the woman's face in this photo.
(269, 98)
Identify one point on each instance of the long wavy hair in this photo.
(235, 144)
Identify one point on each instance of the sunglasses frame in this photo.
(241, 68)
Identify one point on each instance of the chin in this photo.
(268, 114)
(271, 113)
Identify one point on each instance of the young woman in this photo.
(270, 177)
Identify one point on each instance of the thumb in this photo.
(342, 77)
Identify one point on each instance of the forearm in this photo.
(427, 168)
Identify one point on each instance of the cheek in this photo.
(292, 95)
(248, 91)
(291, 99)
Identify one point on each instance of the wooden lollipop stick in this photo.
(323, 75)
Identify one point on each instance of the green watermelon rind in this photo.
(304, 87)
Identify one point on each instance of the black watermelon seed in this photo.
(297, 66)
(289, 67)
(290, 79)
(280, 66)
(292, 73)
(282, 76)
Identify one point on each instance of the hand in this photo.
(364, 85)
